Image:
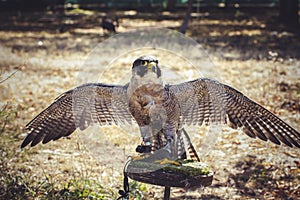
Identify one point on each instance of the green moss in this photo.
(191, 169)
(185, 167)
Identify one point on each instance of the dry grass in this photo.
(69, 169)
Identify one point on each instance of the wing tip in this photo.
(28, 139)
(24, 144)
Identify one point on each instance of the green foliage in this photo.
(16, 187)
(13, 187)
(16, 184)
(6, 114)
(80, 189)
(137, 190)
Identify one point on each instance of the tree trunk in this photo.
(289, 11)
(187, 17)
(171, 5)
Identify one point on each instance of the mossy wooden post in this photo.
(180, 173)
(167, 193)
(168, 173)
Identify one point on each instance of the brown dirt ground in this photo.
(250, 54)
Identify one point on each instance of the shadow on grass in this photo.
(259, 179)
(252, 33)
(255, 33)
(16, 187)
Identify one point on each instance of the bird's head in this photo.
(146, 66)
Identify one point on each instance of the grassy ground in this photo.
(43, 55)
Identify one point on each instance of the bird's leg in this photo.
(146, 146)
(146, 135)
(169, 153)
(171, 146)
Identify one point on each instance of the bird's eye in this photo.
(144, 62)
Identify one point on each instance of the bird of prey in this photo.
(108, 24)
(160, 110)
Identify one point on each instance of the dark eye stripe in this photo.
(143, 62)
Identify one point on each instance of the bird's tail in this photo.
(181, 153)
(159, 141)
(191, 149)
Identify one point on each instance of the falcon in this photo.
(160, 110)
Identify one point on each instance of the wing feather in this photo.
(208, 101)
(79, 108)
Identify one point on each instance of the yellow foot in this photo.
(167, 161)
(140, 157)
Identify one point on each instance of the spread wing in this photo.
(78, 108)
(208, 101)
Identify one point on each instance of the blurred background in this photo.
(45, 45)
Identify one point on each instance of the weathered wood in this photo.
(167, 193)
(187, 174)
(167, 173)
